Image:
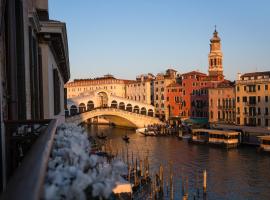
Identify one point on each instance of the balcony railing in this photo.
(28, 148)
(250, 103)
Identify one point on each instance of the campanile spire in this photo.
(215, 57)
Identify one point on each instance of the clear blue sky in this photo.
(130, 37)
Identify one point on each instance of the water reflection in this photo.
(235, 174)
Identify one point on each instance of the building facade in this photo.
(222, 103)
(34, 66)
(195, 84)
(174, 99)
(141, 89)
(79, 87)
(252, 99)
(160, 93)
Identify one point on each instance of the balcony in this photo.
(28, 149)
(250, 91)
(250, 103)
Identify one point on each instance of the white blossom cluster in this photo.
(75, 174)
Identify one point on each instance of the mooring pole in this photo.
(204, 183)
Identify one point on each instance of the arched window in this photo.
(122, 105)
(136, 109)
(150, 113)
(90, 105)
(129, 108)
(73, 110)
(82, 108)
(143, 111)
(114, 104)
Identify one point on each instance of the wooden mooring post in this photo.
(204, 184)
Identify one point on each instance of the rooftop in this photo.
(255, 74)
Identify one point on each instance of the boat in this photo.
(227, 139)
(186, 137)
(148, 133)
(102, 136)
(264, 143)
(125, 138)
(140, 130)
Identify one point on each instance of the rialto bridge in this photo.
(118, 110)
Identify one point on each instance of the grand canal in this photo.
(232, 174)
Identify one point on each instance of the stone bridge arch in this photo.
(134, 120)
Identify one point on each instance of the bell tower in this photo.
(215, 57)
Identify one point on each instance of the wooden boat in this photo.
(125, 138)
(102, 137)
(149, 133)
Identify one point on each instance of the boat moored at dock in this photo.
(225, 138)
(264, 143)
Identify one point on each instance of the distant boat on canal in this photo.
(102, 136)
(125, 138)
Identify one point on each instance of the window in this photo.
(266, 111)
(162, 105)
(238, 99)
(266, 122)
(259, 87)
(259, 111)
(56, 90)
(162, 97)
(238, 120)
(266, 98)
(156, 97)
(259, 98)
(265, 87)
(162, 89)
(167, 98)
(244, 99)
(238, 110)
(259, 121)
(245, 88)
(238, 89)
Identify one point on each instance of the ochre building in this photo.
(252, 99)
(222, 103)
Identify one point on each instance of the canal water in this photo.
(231, 174)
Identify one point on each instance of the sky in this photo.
(126, 38)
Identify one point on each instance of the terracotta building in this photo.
(253, 99)
(174, 99)
(222, 103)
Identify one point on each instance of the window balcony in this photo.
(28, 149)
(250, 103)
